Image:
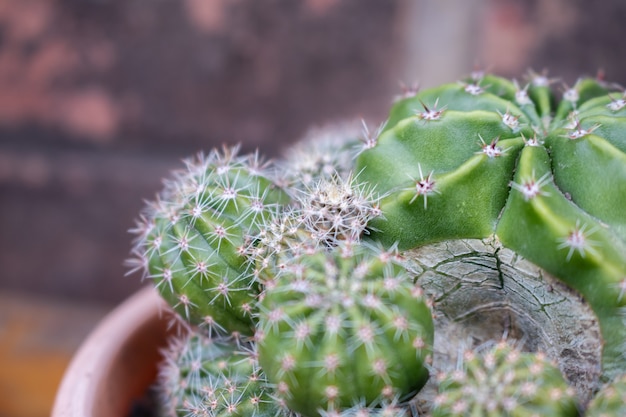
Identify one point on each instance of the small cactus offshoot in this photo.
(501, 382)
(610, 401)
(343, 327)
(206, 377)
(191, 240)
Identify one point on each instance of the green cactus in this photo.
(204, 377)
(501, 382)
(610, 401)
(192, 240)
(546, 178)
(344, 327)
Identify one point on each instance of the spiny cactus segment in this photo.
(191, 240)
(342, 327)
(502, 381)
(492, 158)
(204, 377)
(324, 152)
(610, 401)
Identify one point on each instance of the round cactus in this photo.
(204, 377)
(323, 153)
(501, 382)
(343, 328)
(610, 401)
(547, 178)
(192, 240)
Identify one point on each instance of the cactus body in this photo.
(203, 377)
(504, 382)
(610, 401)
(344, 328)
(488, 158)
(193, 238)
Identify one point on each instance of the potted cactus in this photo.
(466, 258)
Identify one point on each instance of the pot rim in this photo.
(117, 361)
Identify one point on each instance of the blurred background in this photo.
(99, 99)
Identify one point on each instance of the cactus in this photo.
(343, 327)
(324, 152)
(191, 240)
(502, 381)
(486, 158)
(499, 204)
(610, 401)
(205, 377)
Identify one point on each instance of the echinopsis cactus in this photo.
(481, 211)
(344, 327)
(504, 381)
(192, 239)
(219, 377)
(488, 158)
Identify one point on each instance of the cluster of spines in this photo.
(503, 381)
(344, 326)
(324, 152)
(191, 240)
(207, 377)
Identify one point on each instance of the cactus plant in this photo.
(479, 211)
(342, 327)
(546, 178)
(610, 401)
(191, 240)
(203, 376)
(502, 381)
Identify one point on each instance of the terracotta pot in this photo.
(117, 362)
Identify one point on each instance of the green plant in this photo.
(213, 376)
(356, 268)
(192, 240)
(343, 327)
(503, 381)
(610, 401)
(546, 178)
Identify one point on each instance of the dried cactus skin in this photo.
(344, 328)
(610, 400)
(192, 239)
(545, 177)
(502, 382)
(205, 377)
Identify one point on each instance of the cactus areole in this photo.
(546, 178)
